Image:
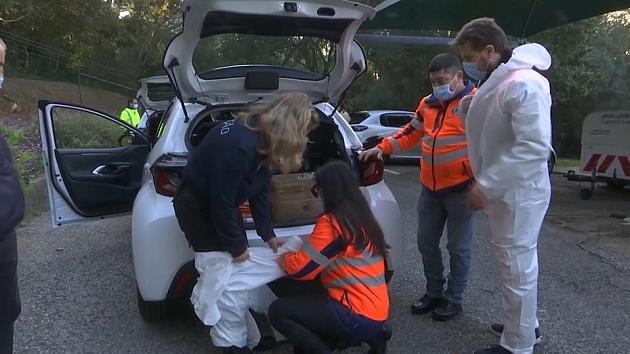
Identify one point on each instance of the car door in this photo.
(93, 162)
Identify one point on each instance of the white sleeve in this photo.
(528, 106)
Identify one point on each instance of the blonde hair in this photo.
(283, 126)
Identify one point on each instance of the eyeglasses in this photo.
(315, 191)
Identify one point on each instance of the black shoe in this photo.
(495, 349)
(426, 304)
(236, 350)
(497, 329)
(447, 311)
(378, 345)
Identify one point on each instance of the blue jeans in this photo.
(435, 211)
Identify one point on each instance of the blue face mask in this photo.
(471, 70)
(444, 92)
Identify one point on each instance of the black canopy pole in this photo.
(530, 13)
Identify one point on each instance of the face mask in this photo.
(1, 81)
(471, 70)
(444, 92)
(134, 105)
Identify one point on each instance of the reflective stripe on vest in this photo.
(445, 141)
(445, 158)
(316, 256)
(351, 280)
(367, 259)
(416, 124)
(395, 145)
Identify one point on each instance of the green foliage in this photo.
(303, 53)
(77, 130)
(24, 161)
(13, 137)
(590, 72)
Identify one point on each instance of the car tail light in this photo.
(245, 210)
(359, 128)
(372, 171)
(166, 174)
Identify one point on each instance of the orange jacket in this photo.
(354, 279)
(444, 164)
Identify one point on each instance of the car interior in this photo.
(325, 143)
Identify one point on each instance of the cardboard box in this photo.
(292, 202)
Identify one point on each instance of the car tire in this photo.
(550, 165)
(586, 193)
(152, 311)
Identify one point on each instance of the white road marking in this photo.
(392, 172)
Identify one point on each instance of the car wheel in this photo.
(152, 311)
(550, 165)
(586, 193)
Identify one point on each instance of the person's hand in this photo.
(476, 198)
(274, 243)
(242, 258)
(369, 154)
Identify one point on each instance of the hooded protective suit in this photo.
(508, 129)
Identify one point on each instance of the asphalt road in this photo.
(78, 287)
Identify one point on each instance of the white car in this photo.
(99, 167)
(154, 96)
(374, 126)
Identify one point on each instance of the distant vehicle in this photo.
(605, 155)
(154, 96)
(373, 126)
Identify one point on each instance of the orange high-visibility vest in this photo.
(354, 279)
(444, 163)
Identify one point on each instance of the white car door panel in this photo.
(93, 162)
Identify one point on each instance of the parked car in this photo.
(373, 126)
(155, 95)
(99, 167)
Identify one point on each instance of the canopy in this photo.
(519, 18)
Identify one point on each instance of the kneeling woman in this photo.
(347, 250)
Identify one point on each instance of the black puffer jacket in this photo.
(11, 213)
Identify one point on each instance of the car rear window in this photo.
(160, 92)
(300, 53)
(395, 120)
(358, 117)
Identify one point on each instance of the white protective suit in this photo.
(508, 127)
(225, 291)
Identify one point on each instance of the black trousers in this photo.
(309, 323)
(6, 338)
(9, 304)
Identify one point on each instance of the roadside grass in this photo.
(567, 163)
(25, 150)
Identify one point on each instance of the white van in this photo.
(605, 155)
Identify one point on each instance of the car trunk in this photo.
(291, 200)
